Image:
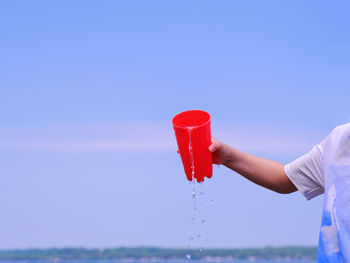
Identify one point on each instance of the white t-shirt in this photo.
(326, 169)
(306, 173)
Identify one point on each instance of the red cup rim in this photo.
(180, 115)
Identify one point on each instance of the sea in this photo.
(154, 261)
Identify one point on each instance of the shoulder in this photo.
(341, 130)
(337, 133)
(336, 146)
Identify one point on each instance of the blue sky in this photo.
(87, 93)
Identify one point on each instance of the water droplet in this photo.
(198, 236)
(188, 256)
(211, 201)
(202, 221)
(193, 195)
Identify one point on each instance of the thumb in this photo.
(214, 146)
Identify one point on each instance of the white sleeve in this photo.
(306, 173)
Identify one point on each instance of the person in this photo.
(325, 169)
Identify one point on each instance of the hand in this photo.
(220, 152)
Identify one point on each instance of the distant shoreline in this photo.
(142, 254)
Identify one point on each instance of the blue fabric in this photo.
(334, 241)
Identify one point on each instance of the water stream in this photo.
(197, 219)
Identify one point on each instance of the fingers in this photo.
(215, 145)
(213, 140)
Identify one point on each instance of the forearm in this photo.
(267, 173)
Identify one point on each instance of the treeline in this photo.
(152, 253)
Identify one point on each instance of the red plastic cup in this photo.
(193, 136)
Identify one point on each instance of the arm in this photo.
(264, 172)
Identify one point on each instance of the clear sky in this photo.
(87, 93)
